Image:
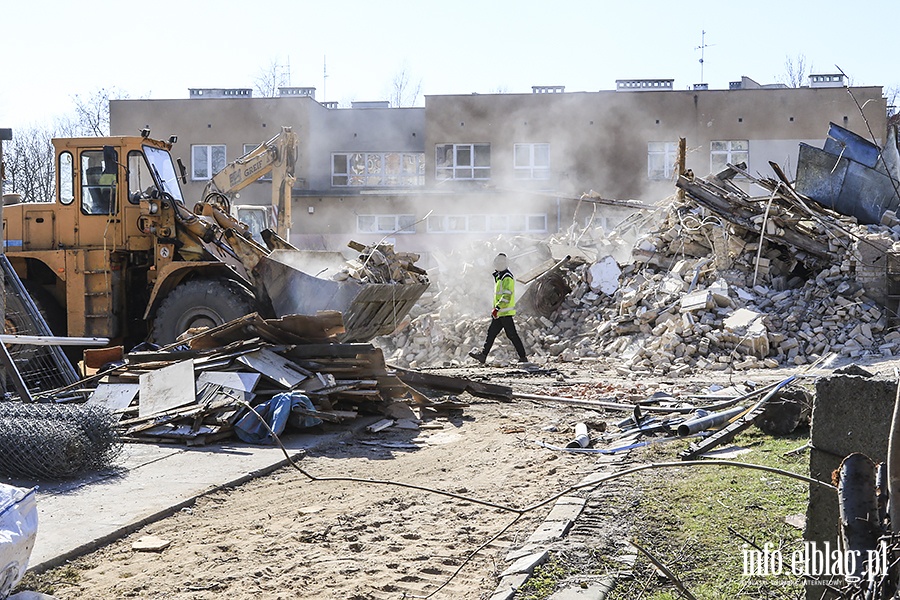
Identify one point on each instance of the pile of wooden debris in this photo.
(197, 391)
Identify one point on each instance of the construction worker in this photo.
(502, 314)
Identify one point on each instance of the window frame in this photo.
(405, 175)
(476, 153)
(210, 166)
(486, 223)
(669, 154)
(377, 219)
(728, 153)
(531, 170)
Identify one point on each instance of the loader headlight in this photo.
(154, 208)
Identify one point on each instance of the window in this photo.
(377, 169)
(513, 223)
(724, 152)
(386, 223)
(250, 148)
(98, 184)
(140, 183)
(462, 161)
(531, 161)
(661, 158)
(206, 161)
(66, 178)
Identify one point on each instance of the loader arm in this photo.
(277, 156)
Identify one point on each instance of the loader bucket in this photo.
(298, 283)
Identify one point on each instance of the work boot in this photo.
(479, 355)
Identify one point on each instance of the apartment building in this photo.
(476, 165)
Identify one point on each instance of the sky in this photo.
(55, 50)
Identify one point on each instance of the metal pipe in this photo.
(49, 340)
(707, 421)
(893, 461)
(582, 439)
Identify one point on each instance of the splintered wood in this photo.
(196, 391)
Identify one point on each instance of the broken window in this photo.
(377, 169)
(462, 161)
(531, 161)
(207, 160)
(729, 151)
(661, 158)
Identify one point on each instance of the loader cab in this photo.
(101, 188)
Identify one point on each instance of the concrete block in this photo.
(526, 564)
(565, 512)
(549, 531)
(508, 586)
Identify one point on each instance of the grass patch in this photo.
(683, 517)
(49, 582)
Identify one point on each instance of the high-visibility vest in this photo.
(504, 293)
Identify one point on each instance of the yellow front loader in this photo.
(119, 254)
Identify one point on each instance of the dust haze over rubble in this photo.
(695, 291)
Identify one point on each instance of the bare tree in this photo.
(795, 71)
(892, 96)
(403, 91)
(29, 161)
(270, 78)
(91, 115)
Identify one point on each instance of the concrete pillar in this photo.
(851, 413)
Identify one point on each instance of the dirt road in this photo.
(284, 536)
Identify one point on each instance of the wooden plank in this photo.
(167, 388)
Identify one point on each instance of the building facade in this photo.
(470, 166)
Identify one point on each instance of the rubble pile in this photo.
(380, 264)
(721, 281)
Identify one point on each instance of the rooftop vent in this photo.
(827, 80)
(221, 92)
(643, 85)
(306, 92)
(548, 89)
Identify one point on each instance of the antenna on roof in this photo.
(703, 46)
(324, 78)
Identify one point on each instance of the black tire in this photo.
(197, 303)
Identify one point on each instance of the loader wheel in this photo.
(200, 303)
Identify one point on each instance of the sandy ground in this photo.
(284, 536)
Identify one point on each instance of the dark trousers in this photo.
(509, 327)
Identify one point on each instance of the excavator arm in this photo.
(277, 156)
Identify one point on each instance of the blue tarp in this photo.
(275, 413)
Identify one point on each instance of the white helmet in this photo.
(501, 263)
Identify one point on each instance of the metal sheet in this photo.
(245, 382)
(167, 388)
(843, 142)
(275, 367)
(845, 186)
(114, 396)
